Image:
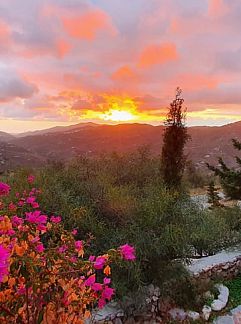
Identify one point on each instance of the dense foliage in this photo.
(44, 276)
(230, 178)
(121, 198)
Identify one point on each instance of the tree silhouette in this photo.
(175, 137)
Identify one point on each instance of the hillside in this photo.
(206, 144)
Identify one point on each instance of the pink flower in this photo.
(4, 189)
(90, 281)
(35, 205)
(11, 232)
(16, 221)
(40, 247)
(101, 303)
(11, 206)
(62, 248)
(92, 258)
(56, 219)
(97, 286)
(31, 178)
(4, 255)
(78, 245)
(36, 217)
(74, 232)
(107, 281)
(108, 293)
(30, 200)
(127, 252)
(99, 262)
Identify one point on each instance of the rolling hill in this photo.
(63, 143)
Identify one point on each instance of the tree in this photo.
(213, 197)
(175, 137)
(230, 178)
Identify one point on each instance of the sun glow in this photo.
(118, 115)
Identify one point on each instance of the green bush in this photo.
(122, 198)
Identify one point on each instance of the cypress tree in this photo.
(174, 139)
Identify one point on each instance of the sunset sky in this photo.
(69, 61)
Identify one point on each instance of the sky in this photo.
(109, 61)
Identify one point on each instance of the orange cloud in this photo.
(158, 54)
(217, 8)
(88, 24)
(4, 30)
(124, 73)
(190, 81)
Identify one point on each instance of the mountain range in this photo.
(63, 143)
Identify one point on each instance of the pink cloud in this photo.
(124, 74)
(158, 54)
(88, 24)
(217, 8)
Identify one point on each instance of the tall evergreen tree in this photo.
(174, 139)
(230, 178)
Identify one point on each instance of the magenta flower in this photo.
(4, 255)
(31, 178)
(56, 219)
(99, 262)
(107, 281)
(16, 221)
(36, 217)
(4, 189)
(101, 303)
(127, 252)
(92, 258)
(97, 286)
(62, 248)
(78, 245)
(108, 293)
(90, 281)
(74, 232)
(30, 200)
(40, 247)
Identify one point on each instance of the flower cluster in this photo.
(44, 275)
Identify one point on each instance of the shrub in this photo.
(44, 276)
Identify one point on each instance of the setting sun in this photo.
(118, 115)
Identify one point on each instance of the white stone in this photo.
(206, 312)
(224, 320)
(223, 293)
(193, 315)
(178, 314)
(217, 305)
(236, 310)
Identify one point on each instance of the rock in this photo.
(109, 312)
(217, 305)
(224, 320)
(223, 293)
(206, 312)
(221, 302)
(117, 321)
(178, 314)
(193, 315)
(130, 320)
(236, 310)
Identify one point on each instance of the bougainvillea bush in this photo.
(44, 274)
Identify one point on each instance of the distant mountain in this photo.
(12, 156)
(57, 129)
(5, 137)
(207, 144)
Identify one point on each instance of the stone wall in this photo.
(227, 270)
